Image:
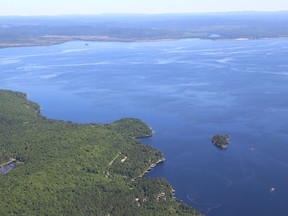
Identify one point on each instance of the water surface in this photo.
(187, 90)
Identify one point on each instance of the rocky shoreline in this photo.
(161, 160)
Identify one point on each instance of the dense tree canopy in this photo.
(65, 168)
(131, 127)
(220, 140)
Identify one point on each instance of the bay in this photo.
(187, 91)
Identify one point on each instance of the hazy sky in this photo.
(57, 7)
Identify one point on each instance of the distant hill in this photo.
(44, 30)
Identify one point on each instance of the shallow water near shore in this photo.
(7, 168)
(187, 91)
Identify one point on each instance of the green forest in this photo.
(220, 140)
(65, 168)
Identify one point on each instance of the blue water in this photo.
(7, 168)
(187, 90)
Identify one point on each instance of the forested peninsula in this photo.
(65, 168)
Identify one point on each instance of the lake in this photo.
(187, 91)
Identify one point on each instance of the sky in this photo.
(90, 7)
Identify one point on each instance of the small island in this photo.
(220, 140)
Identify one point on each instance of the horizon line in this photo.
(144, 14)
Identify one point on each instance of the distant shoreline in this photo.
(87, 39)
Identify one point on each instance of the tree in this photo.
(220, 140)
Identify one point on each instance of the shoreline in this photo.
(7, 163)
(6, 167)
(120, 40)
(153, 165)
